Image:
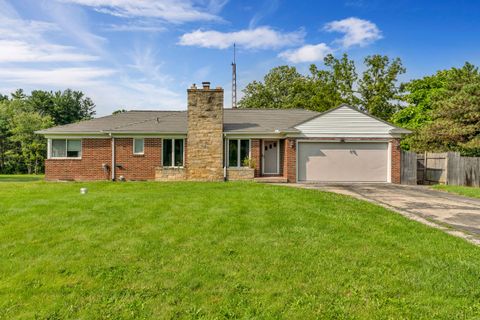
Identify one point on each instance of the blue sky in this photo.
(144, 54)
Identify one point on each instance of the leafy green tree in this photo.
(378, 86)
(424, 96)
(328, 87)
(19, 94)
(344, 77)
(284, 87)
(21, 150)
(42, 102)
(4, 133)
(11, 160)
(33, 146)
(455, 123)
(278, 90)
(72, 106)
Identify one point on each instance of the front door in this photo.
(270, 156)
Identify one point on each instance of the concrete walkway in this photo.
(457, 215)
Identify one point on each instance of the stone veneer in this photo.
(205, 134)
(169, 174)
(234, 174)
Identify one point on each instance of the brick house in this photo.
(210, 143)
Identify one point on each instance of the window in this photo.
(173, 150)
(238, 151)
(138, 145)
(66, 148)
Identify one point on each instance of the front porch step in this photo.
(271, 180)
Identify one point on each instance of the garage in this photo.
(343, 161)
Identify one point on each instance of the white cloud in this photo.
(22, 51)
(258, 38)
(134, 27)
(168, 10)
(57, 77)
(24, 41)
(357, 32)
(307, 53)
(32, 57)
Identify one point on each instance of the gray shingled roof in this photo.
(235, 121)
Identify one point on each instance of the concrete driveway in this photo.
(454, 214)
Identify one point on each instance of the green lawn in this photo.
(464, 191)
(20, 177)
(150, 250)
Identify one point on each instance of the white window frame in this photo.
(239, 161)
(50, 149)
(173, 153)
(143, 147)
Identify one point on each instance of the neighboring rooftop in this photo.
(175, 122)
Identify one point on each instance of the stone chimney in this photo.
(204, 160)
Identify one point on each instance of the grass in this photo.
(20, 177)
(223, 250)
(471, 192)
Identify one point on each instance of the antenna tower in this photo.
(234, 79)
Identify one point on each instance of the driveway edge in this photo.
(407, 214)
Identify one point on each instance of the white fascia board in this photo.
(345, 135)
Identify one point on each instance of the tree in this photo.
(378, 86)
(455, 123)
(63, 107)
(280, 86)
(4, 133)
(19, 94)
(33, 146)
(21, 150)
(424, 96)
(284, 87)
(42, 102)
(328, 87)
(344, 77)
(71, 106)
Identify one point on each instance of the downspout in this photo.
(225, 157)
(113, 156)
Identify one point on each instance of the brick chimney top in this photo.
(206, 85)
(194, 86)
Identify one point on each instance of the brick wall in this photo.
(396, 161)
(290, 160)
(95, 152)
(255, 153)
(137, 167)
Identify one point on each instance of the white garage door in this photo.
(343, 162)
